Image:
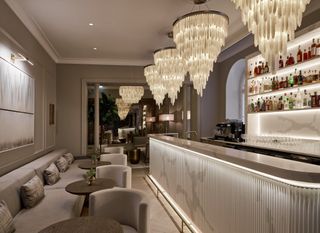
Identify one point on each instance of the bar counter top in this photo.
(287, 171)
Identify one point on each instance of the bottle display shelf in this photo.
(299, 66)
(285, 90)
(286, 111)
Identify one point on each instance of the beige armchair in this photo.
(131, 208)
(119, 173)
(115, 159)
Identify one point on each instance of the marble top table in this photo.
(81, 187)
(87, 164)
(85, 224)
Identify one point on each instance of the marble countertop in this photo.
(306, 150)
(273, 167)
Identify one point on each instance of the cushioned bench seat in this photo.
(57, 204)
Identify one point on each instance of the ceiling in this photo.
(125, 32)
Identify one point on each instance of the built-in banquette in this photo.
(56, 205)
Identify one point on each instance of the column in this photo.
(96, 118)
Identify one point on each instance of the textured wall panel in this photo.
(222, 198)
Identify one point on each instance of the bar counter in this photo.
(226, 190)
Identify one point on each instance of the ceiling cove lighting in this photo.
(155, 83)
(171, 69)
(131, 94)
(123, 108)
(199, 37)
(20, 57)
(272, 23)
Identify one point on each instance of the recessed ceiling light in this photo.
(90, 24)
(94, 48)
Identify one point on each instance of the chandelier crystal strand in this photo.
(155, 83)
(171, 69)
(131, 94)
(123, 108)
(199, 37)
(272, 23)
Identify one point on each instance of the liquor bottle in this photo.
(277, 85)
(267, 108)
(315, 77)
(259, 67)
(291, 81)
(280, 63)
(273, 84)
(266, 68)
(305, 55)
(252, 106)
(309, 53)
(305, 99)
(318, 48)
(300, 79)
(281, 104)
(263, 105)
(285, 102)
(275, 104)
(262, 68)
(298, 100)
(260, 88)
(292, 62)
(288, 61)
(256, 70)
(250, 71)
(291, 101)
(309, 100)
(299, 55)
(281, 83)
(314, 100)
(258, 105)
(313, 48)
(296, 78)
(286, 83)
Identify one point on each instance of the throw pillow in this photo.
(32, 192)
(69, 157)
(51, 174)
(62, 164)
(6, 221)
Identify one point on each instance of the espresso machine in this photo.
(229, 130)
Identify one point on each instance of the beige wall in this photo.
(14, 37)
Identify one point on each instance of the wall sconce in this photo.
(20, 57)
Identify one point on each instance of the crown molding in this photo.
(35, 29)
(103, 61)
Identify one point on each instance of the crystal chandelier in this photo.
(199, 37)
(123, 108)
(131, 94)
(272, 22)
(155, 83)
(171, 69)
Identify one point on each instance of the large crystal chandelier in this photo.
(272, 22)
(155, 83)
(131, 94)
(123, 108)
(199, 37)
(171, 69)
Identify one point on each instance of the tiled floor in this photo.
(161, 222)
